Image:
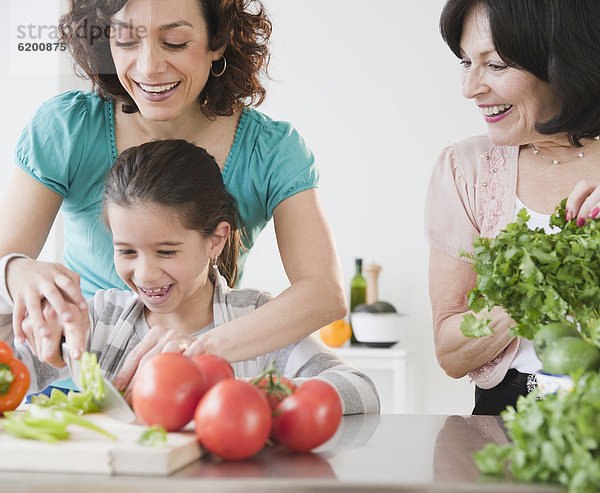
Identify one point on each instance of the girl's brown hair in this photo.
(184, 177)
(240, 25)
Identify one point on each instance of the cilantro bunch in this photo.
(554, 440)
(538, 278)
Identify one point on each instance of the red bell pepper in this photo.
(14, 379)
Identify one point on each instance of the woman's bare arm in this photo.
(450, 280)
(316, 294)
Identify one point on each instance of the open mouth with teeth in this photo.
(495, 110)
(155, 295)
(158, 90)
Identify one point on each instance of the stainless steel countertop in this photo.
(391, 452)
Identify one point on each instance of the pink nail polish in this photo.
(594, 212)
(580, 221)
(567, 215)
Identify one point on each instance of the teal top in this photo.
(69, 146)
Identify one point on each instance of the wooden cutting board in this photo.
(88, 452)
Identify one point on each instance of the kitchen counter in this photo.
(389, 452)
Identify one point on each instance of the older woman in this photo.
(537, 87)
(186, 69)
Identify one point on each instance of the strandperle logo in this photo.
(91, 32)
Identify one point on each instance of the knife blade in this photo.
(113, 403)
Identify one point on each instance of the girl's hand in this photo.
(583, 202)
(157, 340)
(34, 285)
(200, 345)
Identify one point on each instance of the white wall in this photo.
(27, 79)
(376, 95)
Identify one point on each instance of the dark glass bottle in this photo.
(358, 291)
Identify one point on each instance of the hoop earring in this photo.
(222, 70)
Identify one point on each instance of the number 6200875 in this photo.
(41, 46)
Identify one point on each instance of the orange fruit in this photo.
(336, 333)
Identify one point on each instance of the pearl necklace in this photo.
(580, 154)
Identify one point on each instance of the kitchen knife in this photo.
(113, 403)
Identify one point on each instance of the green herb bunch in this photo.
(538, 278)
(554, 440)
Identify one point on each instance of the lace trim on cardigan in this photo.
(484, 372)
(494, 191)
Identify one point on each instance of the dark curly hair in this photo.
(241, 25)
(555, 40)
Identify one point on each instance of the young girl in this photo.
(175, 237)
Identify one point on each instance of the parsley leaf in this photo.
(537, 277)
(554, 440)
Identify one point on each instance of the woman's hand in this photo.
(157, 340)
(47, 347)
(583, 202)
(50, 296)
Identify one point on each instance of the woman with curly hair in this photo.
(163, 69)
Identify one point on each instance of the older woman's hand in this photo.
(583, 202)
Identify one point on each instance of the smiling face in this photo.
(511, 100)
(160, 50)
(159, 259)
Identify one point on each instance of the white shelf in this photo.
(387, 367)
(395, 351)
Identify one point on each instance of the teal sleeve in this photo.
(53, 143)
(286, 165)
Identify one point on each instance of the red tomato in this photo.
(215, 368)
(277, 390)
(233, 419)
(167, 390)
(308, 417)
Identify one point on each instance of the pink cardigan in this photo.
(472, 193)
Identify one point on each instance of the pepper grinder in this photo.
(371, 272)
